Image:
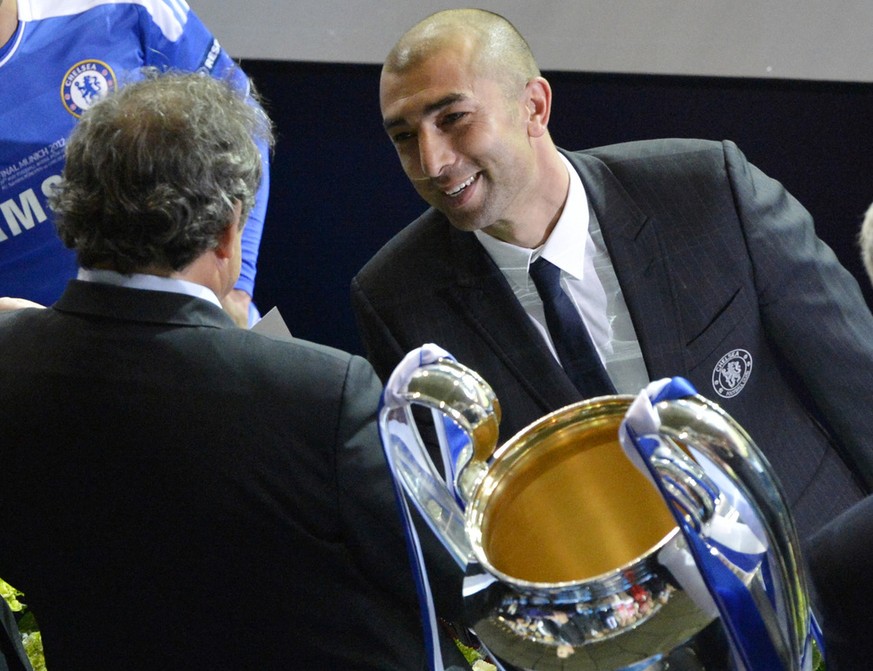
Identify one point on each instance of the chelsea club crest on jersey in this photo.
(85, 83)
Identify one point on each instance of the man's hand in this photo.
(236, 304)
(8, 303)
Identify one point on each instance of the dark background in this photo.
(338, 193)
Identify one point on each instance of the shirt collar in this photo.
(149, 282)
(565, 246)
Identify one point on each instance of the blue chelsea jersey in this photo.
(64, 56)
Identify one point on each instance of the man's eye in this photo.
(397, 138)
(453, 117)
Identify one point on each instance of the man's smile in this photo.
(456, 191)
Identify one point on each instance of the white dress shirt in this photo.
(576, 246)
(150, 282)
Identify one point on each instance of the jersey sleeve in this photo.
(175, 38)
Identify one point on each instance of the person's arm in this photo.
(370, 512)
(811, 306)
(244, 290)
(196, 48)
(840, 561)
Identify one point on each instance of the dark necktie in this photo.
(575, 350)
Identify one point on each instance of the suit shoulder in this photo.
(291, 346)
(293, 357)
(420, 244)
(669, 155)
(661, 161)
(663, 148)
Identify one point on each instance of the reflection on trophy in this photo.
(614, 533)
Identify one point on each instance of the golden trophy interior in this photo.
(562, 503)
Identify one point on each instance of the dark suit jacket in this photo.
(179, 493)
(841, 564)
(712, 257)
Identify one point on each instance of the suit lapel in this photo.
(486, 301)
(643, 269)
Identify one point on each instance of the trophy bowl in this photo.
(573, 532)
(618, 533)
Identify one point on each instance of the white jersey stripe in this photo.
(169, 17)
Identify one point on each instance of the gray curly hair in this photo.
(154, 170)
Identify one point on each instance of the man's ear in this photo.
(224, 248)
(538, 102)
(227, 238)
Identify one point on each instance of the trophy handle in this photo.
(466, 415)
(726, 498)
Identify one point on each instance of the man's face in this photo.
(461, 141)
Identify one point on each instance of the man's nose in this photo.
(434, 152)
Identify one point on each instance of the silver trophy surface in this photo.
(580, 553)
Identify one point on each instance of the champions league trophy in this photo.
(608, 535)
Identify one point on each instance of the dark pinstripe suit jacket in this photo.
(719, 265)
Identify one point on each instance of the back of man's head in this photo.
(154, 170)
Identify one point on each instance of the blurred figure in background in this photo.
(56, 60)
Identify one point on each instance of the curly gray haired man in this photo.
(196, 493)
